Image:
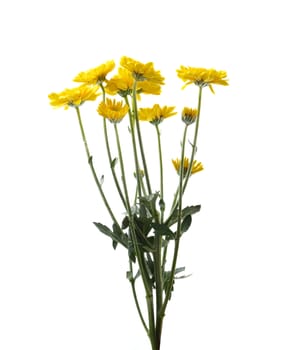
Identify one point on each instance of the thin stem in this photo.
(178, 233)
(90, 162)
(194, 139)
(158, 252)
(135, 108)
(133, 282)
(132, 129)
(162, 204)
(145, 277)
(187, 175)
(122, 171)
(175, 202)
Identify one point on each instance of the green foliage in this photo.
(185, 212)
(116, 235)
(186, 223)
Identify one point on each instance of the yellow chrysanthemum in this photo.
(142, 71)
(112, 110)
(122, 84)
(147, 87)
(95, 75)
(74, 97)
(196, 166)
(156, 114)
(189, 115)
(202, 76)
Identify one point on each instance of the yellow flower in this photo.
(156, 114)
(74, 97)
(122, 84)
(189, 115)
(112, 110)
(95, 75)
(147, 87)
(196, 166)
(142, 71)
(202, 76)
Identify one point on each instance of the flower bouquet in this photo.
(151, 228)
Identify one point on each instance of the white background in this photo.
(61, 284)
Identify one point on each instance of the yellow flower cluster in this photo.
(134, 78)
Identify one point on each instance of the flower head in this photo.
(74, 97)
(196, 166)
(112, 110)
(189, 115)
(122, 84)
(95, 75)
(156, 114)
(142, 71)
(202, 76)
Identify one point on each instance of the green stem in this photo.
(187, 175)
(90, 162)
(135, 108)
(145, 277)
(133, 282)
(158, 252)
(132, 129)
(194, 139)
(178, 233)
(174, 205)
(162, 204)
(122, 172)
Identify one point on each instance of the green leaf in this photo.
(129, 275)
(150, 268)
(186, 223)
(117, 236)
(179, 269)
(149, 202)
(104, 229)
(131, 251)
(191, 144)
(143, 225)
(114, 162)
(185, 212)
(166, 278)
(161, 204)
(163, 230)
(125, 223)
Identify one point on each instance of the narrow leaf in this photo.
(125, 223)
(186, 223)
(114, 244)
(114, 162)
(186, 211)
(163, 230)
(104, 229)
(129, 275)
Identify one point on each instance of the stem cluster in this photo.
(145, 231)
